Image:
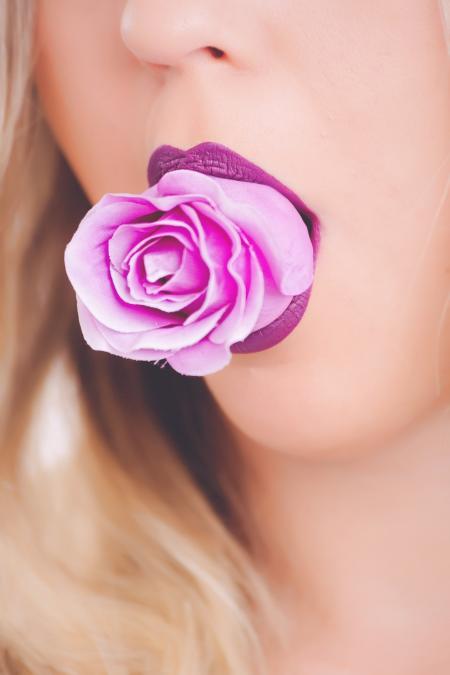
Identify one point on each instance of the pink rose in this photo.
(187, 268)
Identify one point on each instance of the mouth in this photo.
(217, 160)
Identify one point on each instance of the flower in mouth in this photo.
(187, 268)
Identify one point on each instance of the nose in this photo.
(173, 32)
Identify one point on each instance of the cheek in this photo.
(93, 94)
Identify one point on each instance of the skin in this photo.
(347, 103)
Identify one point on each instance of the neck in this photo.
(360, 548)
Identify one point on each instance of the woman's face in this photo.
(346, 102)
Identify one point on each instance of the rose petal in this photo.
(200, 359)
(156, 305)
(170, 337)
(214, 247)
(168, 202)
(89, 328)
(252, 306)
(134, 281)
(256, 296)
(114, 198)
(162, 258)
(129, 238)
(96, 340)
(192, 275)
(231, 327)
(275, 303)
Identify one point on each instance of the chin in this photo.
(314, 411)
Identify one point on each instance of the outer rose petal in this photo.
(168, 338)
(201, 359)
(273, 306)
(94, 338)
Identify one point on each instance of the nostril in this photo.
(215, 52)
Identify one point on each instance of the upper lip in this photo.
(219, 161)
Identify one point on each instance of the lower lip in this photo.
(218, 160)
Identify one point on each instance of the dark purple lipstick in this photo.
(217, 160)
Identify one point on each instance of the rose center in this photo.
(162, 259)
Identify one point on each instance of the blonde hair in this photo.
(122, 540)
